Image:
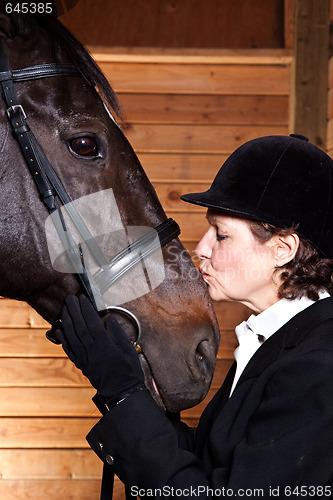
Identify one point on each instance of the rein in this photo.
(52, 191)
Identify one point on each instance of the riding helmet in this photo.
(282, 180)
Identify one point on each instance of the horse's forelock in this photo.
(63, 40)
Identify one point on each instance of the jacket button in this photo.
(109, 460)
(100, 446)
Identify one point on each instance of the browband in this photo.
(39, 71)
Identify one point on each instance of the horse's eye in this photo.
(85, 147)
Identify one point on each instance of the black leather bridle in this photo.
(53, 194)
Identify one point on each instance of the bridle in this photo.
(53, 195)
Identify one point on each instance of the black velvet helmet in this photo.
(282, 180)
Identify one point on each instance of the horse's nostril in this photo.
(205, 356)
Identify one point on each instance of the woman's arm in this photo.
(285, 440)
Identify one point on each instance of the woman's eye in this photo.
(85, 147)
(221, 237)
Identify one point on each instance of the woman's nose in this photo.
(203, 249)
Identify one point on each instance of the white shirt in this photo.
(251, 334)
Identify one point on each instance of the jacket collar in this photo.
(288, 337)
(277, 315)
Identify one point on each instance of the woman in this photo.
(268, 431)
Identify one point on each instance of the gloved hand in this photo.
(105, 354)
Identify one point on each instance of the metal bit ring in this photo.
(134, 320)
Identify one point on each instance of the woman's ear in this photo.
(284, 248)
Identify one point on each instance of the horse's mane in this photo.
(64, 40)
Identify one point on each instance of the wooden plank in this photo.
(36, 372)
(330, 72)
(231, 314)
(47, 402)
(228, 344)
(184, 167)
(45, 433)
(177, 23)
(308, 101)
(193, 225)
(205, 109)
(330, 104)
(47, 372)
(198, 79)
(68, 433)
(23, 344)
(52, 490)
(36, 321)
(169, 194)
(20, 372)
(49, 464)
(17, 314)
(170, 55)
(21, 361)
(289, 23)
(27, 342)
(221, 370)
(329, 137)
(14, 313)
(222, 139)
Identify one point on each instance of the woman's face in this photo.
(234, 265)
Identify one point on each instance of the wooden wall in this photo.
(185, 112)
(179, 23)
(329, 96)
(329, 142)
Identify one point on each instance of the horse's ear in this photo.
(5, 26)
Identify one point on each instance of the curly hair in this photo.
(307, 274)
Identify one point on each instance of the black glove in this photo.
(105, 354)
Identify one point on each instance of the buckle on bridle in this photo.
(14, 109)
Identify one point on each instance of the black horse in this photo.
(89, 153)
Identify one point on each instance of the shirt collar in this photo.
(277, 315)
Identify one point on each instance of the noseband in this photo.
(53, 195)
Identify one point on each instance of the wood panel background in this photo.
(184, 113)
(329, 140)
(179, 23)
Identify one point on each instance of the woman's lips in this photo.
(203, 274)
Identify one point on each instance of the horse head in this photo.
(89, 153)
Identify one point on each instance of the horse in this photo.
(72, 118)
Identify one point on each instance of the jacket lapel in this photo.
(211, 410)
